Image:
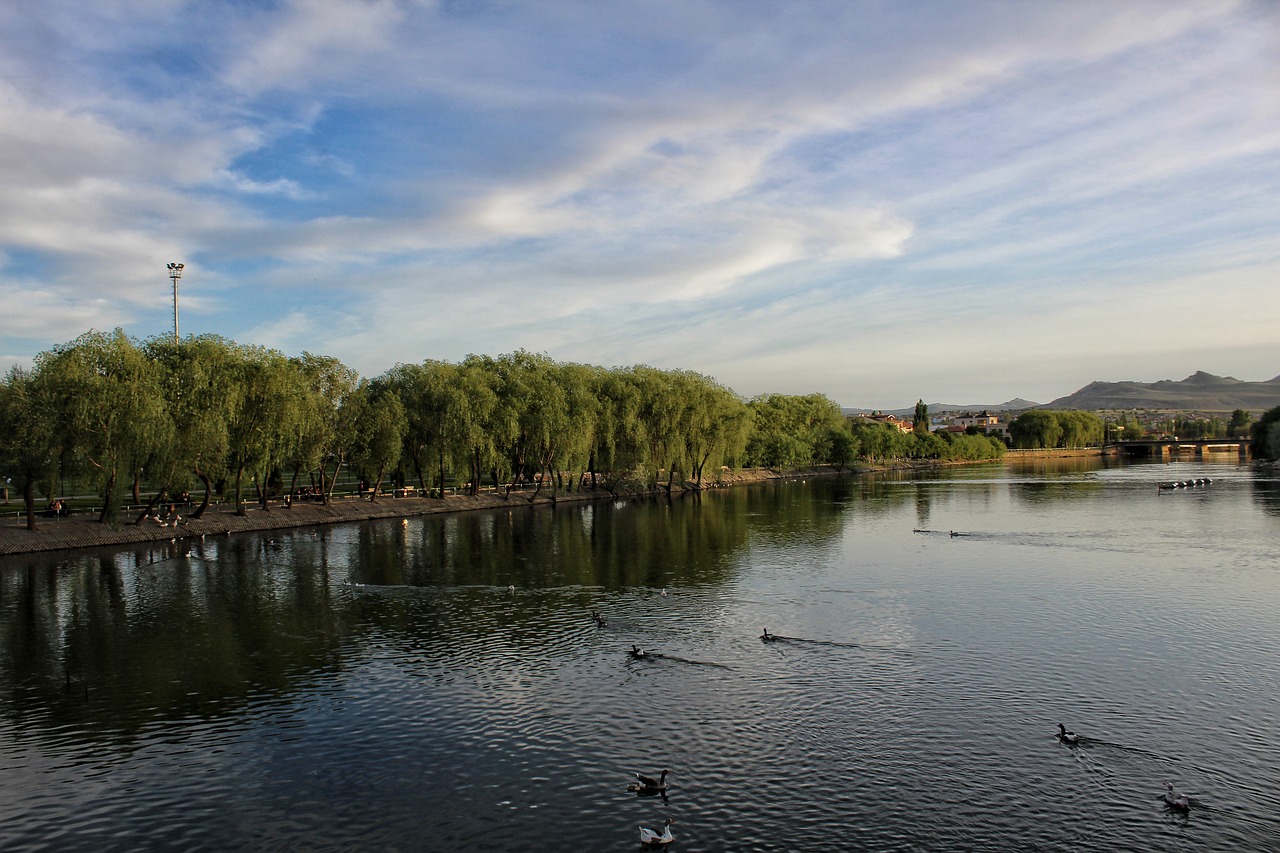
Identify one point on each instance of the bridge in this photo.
(1167, 448)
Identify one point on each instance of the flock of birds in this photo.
(1175, 800)
(650, 784)
(1184, 484)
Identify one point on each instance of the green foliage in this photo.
(920, 422)
(792, 431)
(1264, 441)
(1239, 424)
(28, 449)
(380, 432)
(1045, 429)
(108, 410)
(111, 417)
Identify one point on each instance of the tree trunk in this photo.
(239, 493)
(29, 498)
(155, 499)
(264, 489)
(417, 469)
(208, 493)
(440, 482)
(377, 484)
(137, 487)
(333, 482)
(105, 515)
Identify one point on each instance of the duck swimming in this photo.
(767, 637)
(599, 620)
(1066, 736)
(1174, 800)
(649, 838)
(637, 652)
(648, 784)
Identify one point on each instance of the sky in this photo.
(876, 200)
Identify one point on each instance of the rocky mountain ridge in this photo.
(1201, 391)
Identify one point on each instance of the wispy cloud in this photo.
(877, 201)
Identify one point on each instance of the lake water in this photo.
(440, 684)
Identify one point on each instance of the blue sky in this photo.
(880, 201)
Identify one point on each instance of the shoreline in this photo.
(80, 532)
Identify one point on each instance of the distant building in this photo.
(891, 420)
(984, 420)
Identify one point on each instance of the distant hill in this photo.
(1200, 391)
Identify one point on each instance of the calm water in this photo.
(379, 686)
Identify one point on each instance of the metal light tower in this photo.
(175, 273)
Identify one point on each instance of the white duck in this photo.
(649, 838)
(1174, 800)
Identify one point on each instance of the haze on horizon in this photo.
(881, 202)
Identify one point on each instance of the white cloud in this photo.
(390, 180)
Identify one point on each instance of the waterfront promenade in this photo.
(82, 530)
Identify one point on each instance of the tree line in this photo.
(161, 417)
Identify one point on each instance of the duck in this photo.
(657, 784)
(648, 784)
(649, 838)
(599, 620)
(767, 637)
(1174, 800)
(637, 652)
(1066, 736)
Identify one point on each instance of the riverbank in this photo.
(84, 531)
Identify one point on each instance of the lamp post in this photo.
(175, 273)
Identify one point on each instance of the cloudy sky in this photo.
(881, 201)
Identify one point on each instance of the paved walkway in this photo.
(83, 530)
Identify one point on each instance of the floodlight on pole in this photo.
(175, 273)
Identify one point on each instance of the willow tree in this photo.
(715, 423)
(660, 410)
(380, 432)
(199, 382)
(476, 422)
(436, 413)
(878, 442)
(27, 448)
(111, 414)
(533, 397)
(791, 431)
(581, 385)
(262, 418)
(410, 382)
(323, 433)
(620, 430)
